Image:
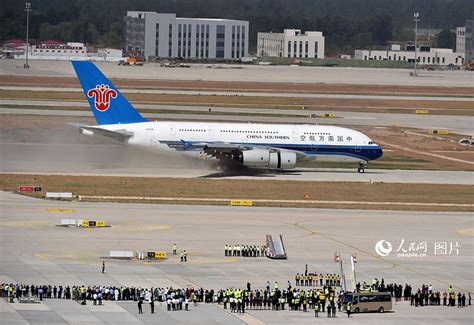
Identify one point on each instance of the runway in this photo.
(455, 124)
(35, 251)
(115, 160)
(248, 94)
(251, 73)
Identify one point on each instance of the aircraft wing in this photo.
(216, 149)
(117, 135)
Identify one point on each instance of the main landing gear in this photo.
(361, 167)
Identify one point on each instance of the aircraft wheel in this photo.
(361, 170)
(218, 167)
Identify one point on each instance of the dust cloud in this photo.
(50, 145)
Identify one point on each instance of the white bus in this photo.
(368, 301)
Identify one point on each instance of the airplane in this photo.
(230, 145)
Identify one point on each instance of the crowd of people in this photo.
(245, 250)
(274, 298)
(425, 296)
(314, 280)
(327, 298)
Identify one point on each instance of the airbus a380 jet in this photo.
(253, 145)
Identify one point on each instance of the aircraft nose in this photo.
(378, 152)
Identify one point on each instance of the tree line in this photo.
(346, 24)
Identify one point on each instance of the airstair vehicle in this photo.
(276, 248)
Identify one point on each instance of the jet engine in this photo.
(263, 158)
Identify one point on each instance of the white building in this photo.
(291, 43)
(153, 34)
(58, 51)
(461, 40)
(54, 50)
(425, 55)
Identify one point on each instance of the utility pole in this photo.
(27, 45)
(416, 19)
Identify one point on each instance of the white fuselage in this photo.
(323, 143)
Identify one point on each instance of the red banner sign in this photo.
(26, 188)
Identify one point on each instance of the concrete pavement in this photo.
(33, 250)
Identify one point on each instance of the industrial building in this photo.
(469, 41)
(291, 43)
(425, 55)
(461, 40)
(153, 34)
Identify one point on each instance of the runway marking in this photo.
(375, 256)
(160, 198)
(76, 256)
(60, 210)
(466, 232)
(142, 228)
(361, 118)
(426, 153)
(452, 151)
(23, 223)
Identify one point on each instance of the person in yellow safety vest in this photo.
(10, 293)
(317, 308)
(174, 249)
(326, 291)
(316, 279)
(450, 289)
(83, 294)
(276, 285)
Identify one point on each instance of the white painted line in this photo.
(427, 153)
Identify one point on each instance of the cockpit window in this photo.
(371, 142)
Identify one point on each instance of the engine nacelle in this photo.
(287, 160)
(261, 158)
(86, 132)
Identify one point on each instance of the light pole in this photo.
(353, 263)
(27, 9)
(338, 259)
(416, 19)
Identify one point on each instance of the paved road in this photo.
(455, 124)
(115, 160)
(251, 94)
(246, 73)
(35, 251)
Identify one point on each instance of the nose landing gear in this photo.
(361, 167)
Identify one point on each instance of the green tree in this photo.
(446, 39)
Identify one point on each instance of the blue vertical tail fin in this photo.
(107, 103)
